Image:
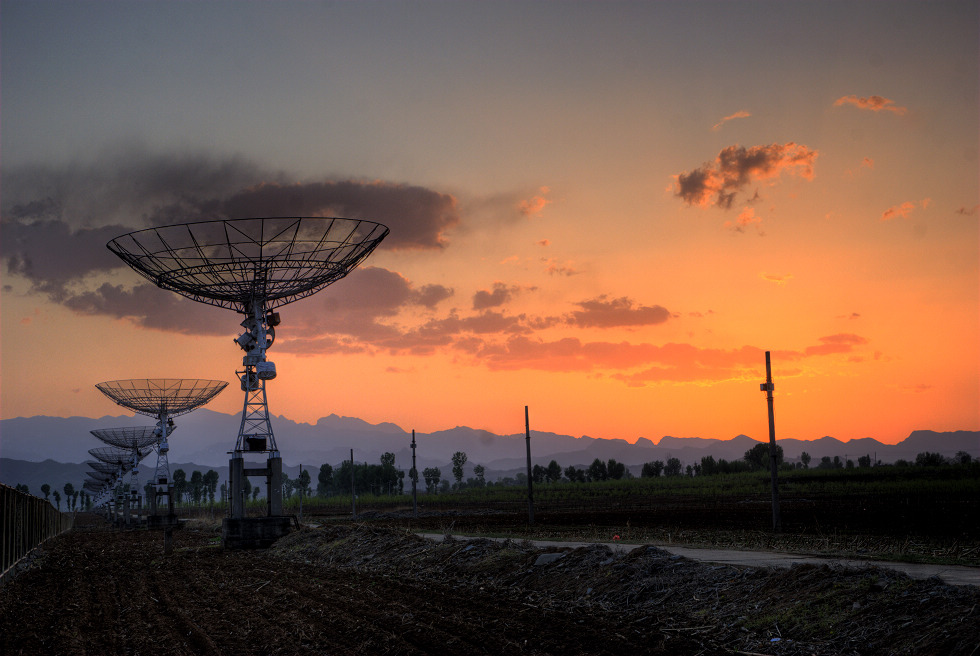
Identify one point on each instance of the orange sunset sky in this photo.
(605, 211)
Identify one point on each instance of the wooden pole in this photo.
(530, 488)
(415, 475)
(353, 503)
(768, 387)
(302, 493)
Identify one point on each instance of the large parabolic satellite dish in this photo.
(236, 262)
(252, 266)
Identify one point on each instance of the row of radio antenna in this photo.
(252, 266)
(160, 398)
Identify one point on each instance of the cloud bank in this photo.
(57, 219)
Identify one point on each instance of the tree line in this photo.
(74, 499)
(385, 479)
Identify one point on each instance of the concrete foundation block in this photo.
(252, 532)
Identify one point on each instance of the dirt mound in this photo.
(803, 610)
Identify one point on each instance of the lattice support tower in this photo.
(251, 266)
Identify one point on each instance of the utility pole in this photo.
(768, 388)
(302, 493)
(415, 475)
(353, 504)
(530, 488)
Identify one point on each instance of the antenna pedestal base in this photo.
(160, 515)
(252, 532)
(239, 473)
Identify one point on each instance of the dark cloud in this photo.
(717, 182)
(602, 313)
(151, 307)
(354, 311)
(501, 293)
(418, 217)
(51, 255)
(125, 186)
(57, 219)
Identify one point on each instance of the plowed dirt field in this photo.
(363, 589)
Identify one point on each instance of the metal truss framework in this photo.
(252, 266)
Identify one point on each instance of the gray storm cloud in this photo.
(56, 220)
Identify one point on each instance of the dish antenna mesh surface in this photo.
(157, 396)
(134, 437)
(232, 263)
(252, 266)
(120, 457)
(102, 467)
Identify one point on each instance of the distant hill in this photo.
(50, 450)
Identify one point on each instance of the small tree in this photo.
(480, 471)
(46, 491)
(180, 484)
(303, 483)
(805, 459)
(197, 486)
(459, 459)
(554, 472)
(255, 492)
(864, 461)
(539, 473)
(69, 495)
(652, 469)
(57, 499)
(324, 480)
(388, 475)
(758, 456)
(673, 467)
(211, 478)
(597, 471)
(21, 487)
(928, 459)
(962, 457)
(615, 470)
(432, 475)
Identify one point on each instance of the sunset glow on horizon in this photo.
(607, 212)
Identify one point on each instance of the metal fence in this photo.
(26, 521)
